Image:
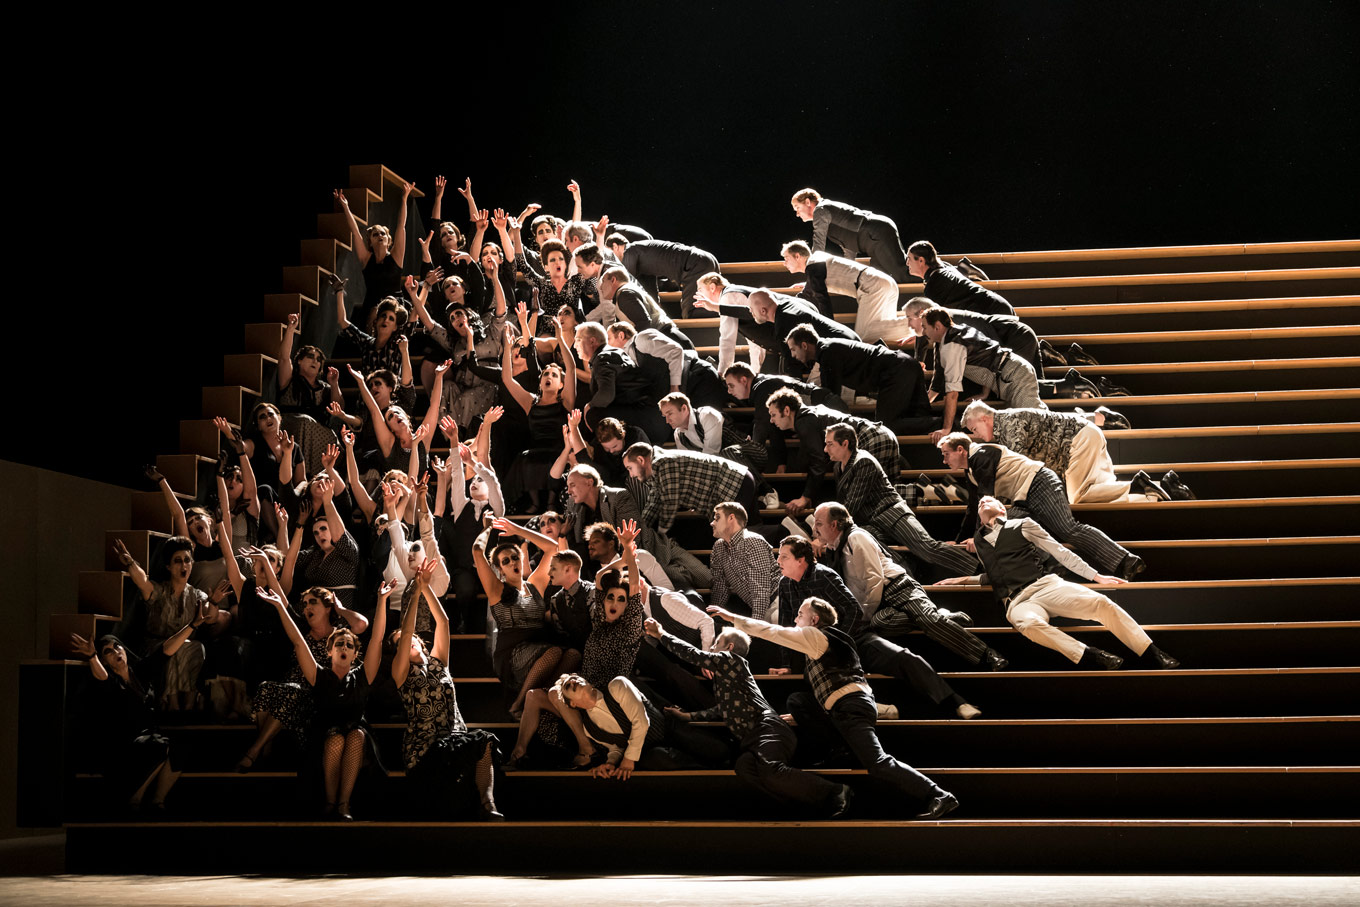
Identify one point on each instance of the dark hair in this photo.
(741, 370)
(616, 239)
(732, 508)
(803, 333)
(844, 433)
(590, 254)
(938, 316)
(385, 375)
(606, 529)
(169, 548)
(640, 449)
(785, 398)
(800, 548)
(609, 429)
(923, 249)
(612, 579)
(496, 553)
(391, 304)
(457, 234)
(549, 246)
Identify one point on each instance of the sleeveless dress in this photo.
(520, 634)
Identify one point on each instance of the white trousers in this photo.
(1053, 596)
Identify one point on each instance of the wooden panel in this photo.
(231, 403)
(246, 369)
(149, 511)
(320, 252)
(139, 542)
(181, 471)
(101, 592)
(335, 225)
(278, 306)
(59, 630)
(199, 436)
(266, 338)
(304, 279)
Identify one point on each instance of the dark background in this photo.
(180, 175)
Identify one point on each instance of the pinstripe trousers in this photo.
(1046, 502)
(897, 525)
(906, 607)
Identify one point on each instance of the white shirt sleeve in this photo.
(654, 344)
(808, 640)
(712, 422)
(953, 358)
(679, 607)
(1040, 538)
(864, 568)
(651, 569)
(622, 689)
(439, 580)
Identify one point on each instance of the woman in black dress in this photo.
(380, 253)
(547, 412)
(438, 748)
(340, 692)
(136, 755)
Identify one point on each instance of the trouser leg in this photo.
(899, 526)
(1030, 617)
(876, 314)
(906, 606)
(854, 716)
(882, 657)
(817, 734)
(901, 404)
(1090, 474)
(1067, 599)
(882, 244)
(1018, 385)
(764, 764)
(1046, 500)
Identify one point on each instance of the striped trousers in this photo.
(897, 525)
(1046, 502)
(906, 607)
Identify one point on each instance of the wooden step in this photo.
(150, 512)
(61, 626)
(183, 472)
(278, 306)
(377, 179)
(101, 592)
(324, 253)
(334, 225)
(140, 544)
(264, 338)
(200, 437)
(307, 280)
(232, 403)
(252, 371)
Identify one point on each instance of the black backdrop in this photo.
(182, 175)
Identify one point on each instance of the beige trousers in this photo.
(1053, 596)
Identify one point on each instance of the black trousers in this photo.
(853, 718)
(764, 764)
(1046, 501)
(880, 242)
(880, 656)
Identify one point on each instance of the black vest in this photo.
(669, 623)
(983, 351)
(655, 729)
(838, 665)
(1013, 563)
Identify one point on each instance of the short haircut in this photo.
(732, 640)
(639, 450)
(605, 529)
(714, 279)
(797, 247)
(977, 410)
(586, 471)
(839, 515)
(918, 305)
(340, 633)
(801, 548)
(499, 550)
(543, 219)
(303, 352)
(803, 333)
(169, 548)
(594, 330)
(616, 239)
(577, 229)
(549, 246)
(393, 305)
(803, 195)
(589, 253)
(936, 315)
(786, 398)
(676, 399)
(612, 579)
(324, 595)
(608, 429)
(570, 558)
(956, 440)
(624, 328)
(926, 250)
(826, 615)
(741, 370)
(617, 273)
(844, 433)
(385, 375)
(732, 508)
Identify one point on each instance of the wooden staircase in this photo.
(1244, 361)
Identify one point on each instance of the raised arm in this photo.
(418, 291)
(305, 659)
(575, 189)
(139, 578)
(480, 221)
(361, 250)
(401, 660)
(431, 420)
(356, 487)
(380, 430)
(568, 366)
(250, 491)
(520, 395)
(441, 488)
(290, 560)
(229, 558)
(399, 234)
(373, 662)
(206, 613)
(285, 369)
(341, 316)
(491, 583)
(539, 540)
(466, 192)
(85, 648)
(178, 524)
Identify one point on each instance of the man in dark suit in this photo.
(651, 259)
(852, 232)
(893, 378)
(618, 387)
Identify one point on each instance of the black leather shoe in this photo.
(1131, 566)
(1099, 659)
(1178, 490)
(490, 814)
(1109, 389)
(1113, 420)
(992, 661)
(1073, 385)
(958, 617)
(1049, 355)
(970, 270)
(840, 803)
(1078, 356)
(940, 807)
(1160, 659)
(1142, 484)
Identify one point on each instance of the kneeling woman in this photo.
(341, 693)
(438, 748)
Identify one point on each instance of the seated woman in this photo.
(547, 413)
(616, 615)
(198, 524)
(438, 749)
(491, 256)
(275, 459)
(467, 496)
(384, 347)
(407, 557)
(399, 445)
(169, 605)
(305, 397)
(555, 288)
(287, 703)
(524, 657)
(253, 620)
(333, 562)
(381, 254)
(340, 683)
(134, 753)
(468, 394)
